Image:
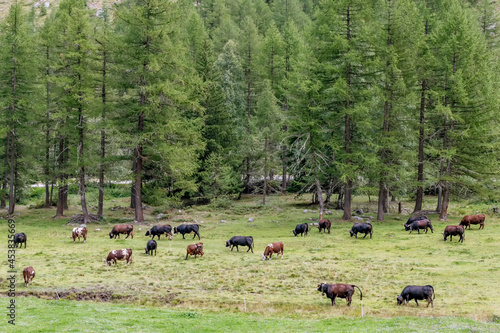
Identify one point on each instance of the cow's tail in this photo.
(360, 292)
(433, 293)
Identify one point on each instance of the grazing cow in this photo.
(150, 247)
(417, 225)
(20, 238)
(113, 256)
(473, 219)
(301, 229)
(194, 250)
(454, 230)
(416, 218)
(417, 293)
(240, 241)
(160, 230)
(122, 229)
(273, 248)
(365, 228)
(28, 274)
(187, 229)
(325, 225)
(80, 232)
(340, 290)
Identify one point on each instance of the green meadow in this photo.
(224, 290)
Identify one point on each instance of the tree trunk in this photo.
(446, 199)
(13, 180)
(347, 137)
(139, 215)
(381, 194)
(132, 189)
(6, 173)
(319, 194)
(60, 190)
(100, 204)
(421, 137)
(51, 194)
(48, 200)
(265, 172)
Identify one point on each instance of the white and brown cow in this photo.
(80, 232)
(123, 254)
(271, 248)
(28, 274)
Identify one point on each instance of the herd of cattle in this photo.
(332, 291)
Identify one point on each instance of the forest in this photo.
(192, 102)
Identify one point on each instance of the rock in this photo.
(251, 219)
(194, 221)
(305, 211)
(223, 221)
(397, 218)
(359, 211)
(113, 200)
(159, 216)
(97, 229)
(357, 218)
(310, 219)
(328, 212)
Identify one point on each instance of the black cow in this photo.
(365, 228)
(340, 290)
(240, 241)
(20, 238)
(417, 293)
(187, 229)
(420, 224)
(150, 247)
(159, 230)
(301, 229)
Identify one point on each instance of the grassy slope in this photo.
(465, 276)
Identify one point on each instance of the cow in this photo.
(28, 274)
(240, 241)
(416, 218)
(187, 229)
(150, 247)
(122, 229)
(301, 229)
(194, 250)
(365, 228)
(419, 224)
(20, 238)
(80, 232)
(159, 230)
(271, 248)
(417, 293)
(123, 254)
(325, 225)
(473, 219)
(340, 290)
(454, 230)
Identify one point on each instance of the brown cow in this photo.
(122, 229)
(273, 248)
(123, 254)
(28, 274)
(473, 219)
(454, 230)
(194, 250)
(325, 225)
(341, 290)
(80, 232)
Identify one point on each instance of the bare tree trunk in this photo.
(139, 215)
(319, 194)
(132, 190)
(347, 139)
(48, 200)
(421, 137)
(13, 180)
(6, 173)
(60, 190)
(380, 210)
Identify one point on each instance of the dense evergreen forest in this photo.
(205, 100)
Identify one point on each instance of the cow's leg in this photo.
(356, 235)
(349, 300)
(152, 252)
(186, 256)
(237, 250)
(232, 247)
(416, 301)
(333, 299)
(198, 236)
(418, 231)
(183, 236)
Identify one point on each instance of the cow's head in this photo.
(294, 232)
(351, 232)
(111, 234)
(146, 249)
(407, 226)
(175, 230)
(264, 256)
(399, 299)
(148, 233)
(106, 263)
(228, 244)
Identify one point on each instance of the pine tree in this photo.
(18, 94)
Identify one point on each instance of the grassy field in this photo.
(238, 288)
